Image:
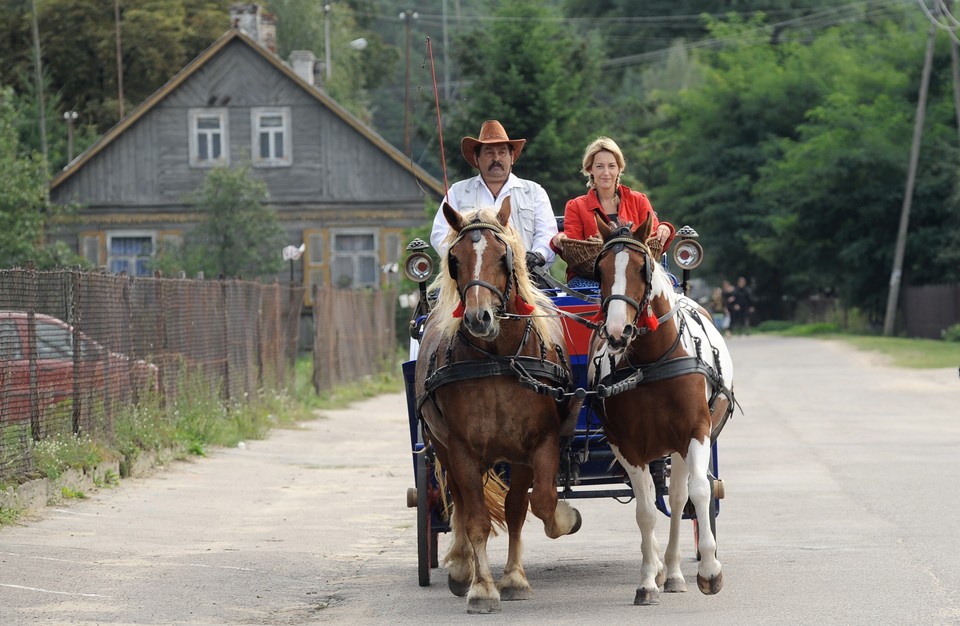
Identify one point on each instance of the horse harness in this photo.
(474, 229)
(630, 375)
(526, 369)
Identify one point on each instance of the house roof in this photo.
(192, 67)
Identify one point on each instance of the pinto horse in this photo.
(665, 378)
(491, 382)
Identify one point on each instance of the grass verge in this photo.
(900, 351)
(192, 424)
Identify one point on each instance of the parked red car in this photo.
(101, 373)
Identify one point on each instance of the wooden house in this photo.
(338, 188)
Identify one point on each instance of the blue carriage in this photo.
(588, 466)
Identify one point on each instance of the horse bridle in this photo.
(475, 229)
(616, 244)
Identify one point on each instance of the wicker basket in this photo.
(656, 248)
(580, 255)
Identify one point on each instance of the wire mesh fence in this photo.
(77, 347)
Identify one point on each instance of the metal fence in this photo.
(76, 348)
(354, 334)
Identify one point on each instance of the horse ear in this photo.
(504, 214)
(642, 232)
(452, 215)
(602, 227)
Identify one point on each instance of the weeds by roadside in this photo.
(191, 424)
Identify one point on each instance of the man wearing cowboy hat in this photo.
(493, 153)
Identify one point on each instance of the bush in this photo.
(951, 333)
(809, 330)
(774, 326)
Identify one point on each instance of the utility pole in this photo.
(326, 42)
(446, 56)
(70, 117)
(894, 295)
(41, 106)
(407, 16)
(116, 19)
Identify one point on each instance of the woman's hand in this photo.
(558, 240)
(663, 233)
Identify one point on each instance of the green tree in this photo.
(78, 48)
(792, 167)
(835, 194)
(239, 234)
(535, 76)
(22, 193)
(354, 72)
(23, 200)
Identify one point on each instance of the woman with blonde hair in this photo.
(603, 164)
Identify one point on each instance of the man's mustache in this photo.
(495, 164)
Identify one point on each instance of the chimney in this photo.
(303, 62)
(255, 23)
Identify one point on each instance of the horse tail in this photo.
(494, 496)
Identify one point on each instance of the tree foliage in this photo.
(21, 191)
(535, 76)
(23, 199)
(790, 160)
(354, 72)
(239, 234)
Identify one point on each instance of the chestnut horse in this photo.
(491, 378)
(665, 378)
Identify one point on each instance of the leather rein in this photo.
(526, 369)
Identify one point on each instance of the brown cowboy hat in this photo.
(491, 132)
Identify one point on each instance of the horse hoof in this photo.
(577, 524)
(483, 605)
(710, 586)
(674, 585)
(646, 597)
(457, 587)
(515, 593)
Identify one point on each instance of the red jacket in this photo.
(579, 221)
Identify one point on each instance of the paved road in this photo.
(841, 478)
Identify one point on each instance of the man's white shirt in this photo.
(530, 212)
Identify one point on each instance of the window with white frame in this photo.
(209, 140)
(130, 253)
(354, 259)
(270, 136)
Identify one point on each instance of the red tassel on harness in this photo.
(597, 319)
(458, 312)
(522, 307)
(650, 320)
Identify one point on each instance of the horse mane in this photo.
(661, 284)
(544, 314)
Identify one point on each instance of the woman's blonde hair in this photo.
(601, 144)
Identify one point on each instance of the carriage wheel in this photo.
(713, 515)
(426, 538)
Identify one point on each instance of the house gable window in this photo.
(270, 137)
(130, 253)
(209, 139)
(354, 259)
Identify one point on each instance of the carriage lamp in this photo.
(688, 253)
(419, 265)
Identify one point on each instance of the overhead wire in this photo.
(944, 10)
